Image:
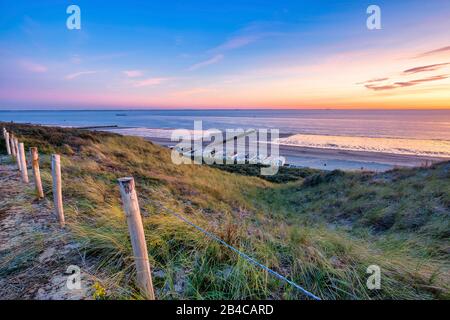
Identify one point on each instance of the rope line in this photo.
(247, 257)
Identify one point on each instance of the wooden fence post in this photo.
(57, 190)
(6, 137)
(136, 230)
(8, 148)
(36, 171)
(16, 146)
(23, 163)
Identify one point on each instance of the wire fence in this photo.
(16, 149)
(245, 256)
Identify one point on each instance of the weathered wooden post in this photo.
(8, 147)
(16, 146)
(136, 230)
(6, 137)
(36, 171)
(23, 163)
(4, 133)
(57, 190)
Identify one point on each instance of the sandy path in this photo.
(34, 252)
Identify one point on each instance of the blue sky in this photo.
(222, 54)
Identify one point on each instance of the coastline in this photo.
(313, 157)
(297, 156)
(331, 159)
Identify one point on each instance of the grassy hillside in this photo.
(320, 229)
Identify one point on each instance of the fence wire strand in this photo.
(245, 256)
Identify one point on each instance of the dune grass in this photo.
(322, 230)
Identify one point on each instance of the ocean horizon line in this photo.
(228, 109)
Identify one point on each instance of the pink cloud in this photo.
(31, 66)
(205, 63)
(402, 84)
(149, 82)
(133, 73)
(436, 51)
(248, 35)
(431, 67)
(373, 80)
(238, 42)
(78, 74)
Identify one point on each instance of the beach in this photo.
(331, 159)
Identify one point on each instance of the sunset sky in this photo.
(224, 54)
